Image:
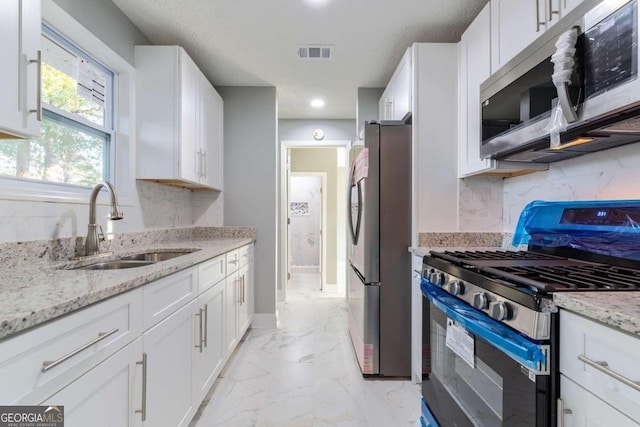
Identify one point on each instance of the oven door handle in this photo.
(524, 351)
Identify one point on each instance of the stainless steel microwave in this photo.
(600, 104)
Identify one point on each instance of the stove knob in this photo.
(480, 300)
(457, 287)
(438, 278)
(500, 310)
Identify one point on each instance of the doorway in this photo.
(327, 161)
(308, 220)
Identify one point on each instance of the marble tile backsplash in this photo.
(608, 174)
(480, 205)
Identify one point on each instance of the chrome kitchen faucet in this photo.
(92, 242)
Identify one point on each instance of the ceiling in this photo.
(255, 42)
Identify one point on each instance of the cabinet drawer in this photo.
(584, 409)
(245, 254)
(211, 272)
(166, 295)
(233, 261)
(39, 362)
(593, 341)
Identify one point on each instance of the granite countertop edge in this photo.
(620, 310)
(34, 293)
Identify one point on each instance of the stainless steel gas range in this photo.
(493, 325)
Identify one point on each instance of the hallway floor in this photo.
(305, 373)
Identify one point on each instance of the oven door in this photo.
(474, 381)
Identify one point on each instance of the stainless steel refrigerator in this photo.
(379, 281)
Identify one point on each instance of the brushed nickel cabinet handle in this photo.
(561, 412)
(200, 339)
(603, 367)
(38, 109)
(143, 411)
(243, 289)
(551, 11)
(48, 365)
(206, 315)
(238, 290)
(538, 23)
(204, 163)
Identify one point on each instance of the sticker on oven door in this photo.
(461, 343)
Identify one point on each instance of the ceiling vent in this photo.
(314, 52)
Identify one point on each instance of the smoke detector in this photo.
(314, 52)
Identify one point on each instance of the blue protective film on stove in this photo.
(607, 227)
(527, 353)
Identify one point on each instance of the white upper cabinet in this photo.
(395, 103)
(20, 103)
(474, 67)
(515, 24)
(180, 118)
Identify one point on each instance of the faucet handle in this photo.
(101, 237)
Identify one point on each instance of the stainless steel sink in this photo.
(156, 256)
(115, 265)
(137, 260)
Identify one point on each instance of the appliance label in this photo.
(461, 343)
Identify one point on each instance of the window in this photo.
(77, 136)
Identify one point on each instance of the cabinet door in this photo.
(385, 105)
(582, 408)
(108, 395)
(401, 86)
(514, 25)
(474, 67)
(210, 345)
(169, 347)
(211, 136)
(245, 307)
(231, 313)
(189, 156)
(20, 23)
(567, 6)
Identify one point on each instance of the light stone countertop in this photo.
(617, 309)
(34, 292)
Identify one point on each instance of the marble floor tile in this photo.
(305, 373)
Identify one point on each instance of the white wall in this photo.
(250, 180)
(609, 174)
(108, 23)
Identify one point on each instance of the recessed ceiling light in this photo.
(317, 103)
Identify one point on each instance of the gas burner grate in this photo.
(494, 255)
(578, 278)
(541, 272)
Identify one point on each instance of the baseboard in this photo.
(264, 321)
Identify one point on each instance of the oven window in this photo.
(496, 392)
(478, 390)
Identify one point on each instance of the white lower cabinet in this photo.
(146, 357)
(245, 305)
(168, 347)
(582, 408)
(210, 345)
(600, 383)
(108, 395)
(231, 315)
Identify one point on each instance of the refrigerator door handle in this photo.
(355, 230)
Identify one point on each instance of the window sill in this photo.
(34, 191)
